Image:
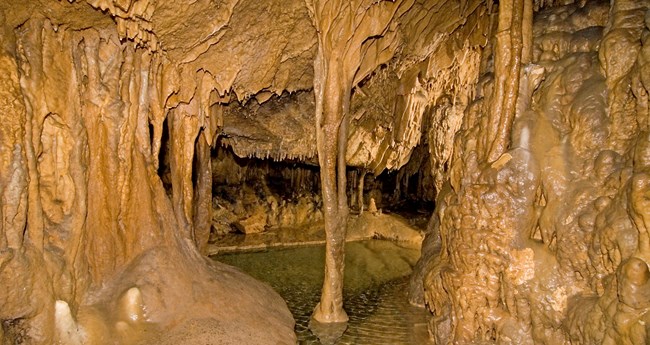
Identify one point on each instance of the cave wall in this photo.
(546, 243)
(93, 249)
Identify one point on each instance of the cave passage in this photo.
(261, 202)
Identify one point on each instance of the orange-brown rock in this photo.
(542, 242)
(527, 120)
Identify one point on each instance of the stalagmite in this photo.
(362, 179)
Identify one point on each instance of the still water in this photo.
(376, 278)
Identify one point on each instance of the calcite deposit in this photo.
(130, 130)
(538, 235)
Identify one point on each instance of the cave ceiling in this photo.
(245, 68)
(249, 62)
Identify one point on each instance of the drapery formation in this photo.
(90, 237)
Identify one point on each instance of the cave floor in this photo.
(376, 277)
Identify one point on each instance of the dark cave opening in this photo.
(164, 168)
(253, 195)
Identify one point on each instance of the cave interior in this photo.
(507, 141)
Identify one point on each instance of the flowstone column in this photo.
(347, 32)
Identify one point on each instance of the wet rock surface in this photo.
(535, 244)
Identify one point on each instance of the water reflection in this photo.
(376, 275)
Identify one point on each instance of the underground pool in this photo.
(376, 277)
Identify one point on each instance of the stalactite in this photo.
(527, 33)
(24, 276)
(540, 230)
(202, 202)
(184, 126)
(507, 64)
(625, 24)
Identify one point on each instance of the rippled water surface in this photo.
(376, 277)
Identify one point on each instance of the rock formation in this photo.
(527, 121)
(538, 236)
